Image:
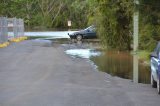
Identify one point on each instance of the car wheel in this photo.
(153, 82)
(79, 37)
(158, 86)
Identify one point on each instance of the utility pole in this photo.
(135, 40)
(136, 25)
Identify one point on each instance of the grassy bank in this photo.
(144, 56)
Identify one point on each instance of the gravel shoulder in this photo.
(34, 73)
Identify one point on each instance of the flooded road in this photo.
(83, 53)
(40, 73)
(121, 64)
(49, 34)
(115, 63)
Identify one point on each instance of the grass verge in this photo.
(144, 56)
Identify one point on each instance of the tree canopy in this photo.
(113, 18)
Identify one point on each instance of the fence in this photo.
(16, 26)
(11, 29)
(3, 30)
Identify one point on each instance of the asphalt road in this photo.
(36, 73)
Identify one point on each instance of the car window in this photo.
(91, 28)
(94, 29)
(157, 49)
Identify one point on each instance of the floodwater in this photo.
(115, 63)
(121, 64)
(83, 53)
(49, 34)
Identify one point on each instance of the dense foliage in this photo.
(47, 13)
(115, 23)
(149, 24)
(113, 18)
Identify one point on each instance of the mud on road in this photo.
(39, 73)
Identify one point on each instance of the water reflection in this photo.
(79, 42)
(121, 64)
(135, 68)
(83, 53)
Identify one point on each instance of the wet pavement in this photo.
(40, 73)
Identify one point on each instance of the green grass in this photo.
(144, 56)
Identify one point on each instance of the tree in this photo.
(48, 10)
(115, 23)
(150, 25)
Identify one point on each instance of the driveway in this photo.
(34, 73)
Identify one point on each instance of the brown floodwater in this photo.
(121, 64)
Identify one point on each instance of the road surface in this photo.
(36, 73)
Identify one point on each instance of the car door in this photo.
(154, 67)
(155, 62)
(90, 33)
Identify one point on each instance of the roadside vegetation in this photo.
(113, 18)
(144, 56)
(149, 27)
